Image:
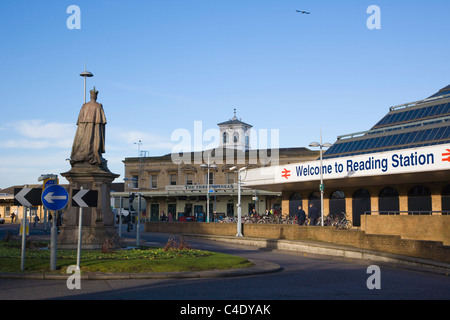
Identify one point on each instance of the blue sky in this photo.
(160, 65)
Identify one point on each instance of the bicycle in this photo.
(344, 223)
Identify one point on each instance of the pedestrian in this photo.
(170, 217)
(36, 219)
(12, 217)
(313, 214)
(301, 216)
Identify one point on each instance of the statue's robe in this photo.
(89, 142)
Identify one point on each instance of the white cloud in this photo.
(121, 139)
(37, 134)
(29, 148)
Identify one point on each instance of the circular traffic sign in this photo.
(55, 197)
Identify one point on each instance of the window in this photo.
(189, 178)
(211, 178)
(236, 137)
(231, 177)
(153, 181)
(388, 202)
(134, 181)
(172, 179)
(225, 137)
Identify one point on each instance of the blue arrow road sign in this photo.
(55, 197)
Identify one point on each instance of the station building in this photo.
(180, 184)
(399, 167)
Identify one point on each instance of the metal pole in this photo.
(120, 217)
(207, 195)
(321, 186)
(138, 235)
(24, 231)
(45, 220)
(80, 227)
(239, 222)
(53, 245)
(321, 180)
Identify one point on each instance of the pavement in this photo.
(309, 248)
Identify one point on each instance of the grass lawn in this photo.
(138, 260)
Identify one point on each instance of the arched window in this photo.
(419, 200)
(314, 198)
(446, 200)
(360, 204)
(225, 137)
(337, 203)
(236, 137)
(295, 201)
(388, 201)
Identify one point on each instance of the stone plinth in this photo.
(98, 222)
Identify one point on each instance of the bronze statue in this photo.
(89, 142)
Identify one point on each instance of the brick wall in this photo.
(385, 243)
(414, 227)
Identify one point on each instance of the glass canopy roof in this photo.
(416, 124)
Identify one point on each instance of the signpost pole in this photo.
(53, 245)
(24, 237)
(120, 217)
(80, 226)
(239, 222)
(45, 220)
(138, 234)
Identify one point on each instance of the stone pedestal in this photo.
(98, 222)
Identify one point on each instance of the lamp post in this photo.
(208, 166)
(85, 74)
(239, 222)
(321, 187)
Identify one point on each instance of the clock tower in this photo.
(235, 134)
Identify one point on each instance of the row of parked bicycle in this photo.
(339, 221)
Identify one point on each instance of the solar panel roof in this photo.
(417, 124)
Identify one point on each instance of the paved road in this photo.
(302, 277)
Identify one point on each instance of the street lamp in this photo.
(85, 74)
(321, 187)
(239, 222)
(208, 166)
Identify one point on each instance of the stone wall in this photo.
(414, 227)
(433, 250)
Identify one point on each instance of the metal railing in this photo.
(410, 212)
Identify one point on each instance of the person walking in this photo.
(301, 216)
(313, 214)
(36, 219)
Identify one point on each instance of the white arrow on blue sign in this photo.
(55, 197)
